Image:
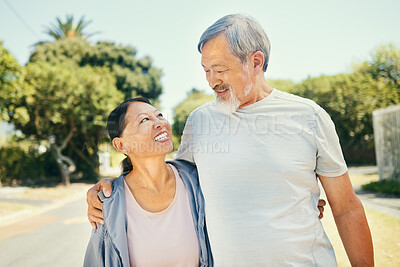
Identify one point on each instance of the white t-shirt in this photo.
(257, 169)
(165, 238)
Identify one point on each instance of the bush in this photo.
(387, 186)
(19, 166)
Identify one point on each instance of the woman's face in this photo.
(147, 132)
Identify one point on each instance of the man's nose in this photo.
(213, 80)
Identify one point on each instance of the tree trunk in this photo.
(65, 164)
(96, 152)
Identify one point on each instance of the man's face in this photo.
(225, 74)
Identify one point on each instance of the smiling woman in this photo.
(153, 209)
(136, 130)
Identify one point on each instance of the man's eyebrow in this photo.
(215, 65)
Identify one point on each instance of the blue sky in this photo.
(308, 37)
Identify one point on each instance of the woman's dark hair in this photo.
(116, 125)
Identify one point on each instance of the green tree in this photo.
(20, 159)
(61, 97)
(21, 162)
(10, 73)
(384, 63)
(350, 99)
(194, 99)
(283, 85)
(133, 76)
(62, 105)
(69, 29)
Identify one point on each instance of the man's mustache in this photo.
(221, 87)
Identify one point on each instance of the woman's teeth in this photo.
(161, 137)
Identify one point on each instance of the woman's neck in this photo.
(150, 172)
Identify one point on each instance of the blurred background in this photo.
(64, 65)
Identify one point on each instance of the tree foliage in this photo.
(74, 104)
(134, 77)
(10, 89)
(63, 106)
(61, 98)
(194, 99)
(351, 98)
(384, 63)
(286, 84)
(19, 160)
(26, 165)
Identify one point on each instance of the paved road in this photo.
(59, 237)
(387, 204)
(55, 238)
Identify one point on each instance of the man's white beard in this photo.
(233, 103)
(227, 106)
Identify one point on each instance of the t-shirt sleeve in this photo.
(185, 150)
(330, 160)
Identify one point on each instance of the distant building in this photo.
(6, 129)
(387, 141)
(104, 160)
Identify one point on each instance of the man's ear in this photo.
(258, 59)
(119, 145)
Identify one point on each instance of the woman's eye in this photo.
(145, 119)
(220, 71)
(160, 115)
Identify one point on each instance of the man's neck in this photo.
(260, 91)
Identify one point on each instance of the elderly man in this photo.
(261, 190)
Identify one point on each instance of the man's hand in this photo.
(95, 214)
(321, 204)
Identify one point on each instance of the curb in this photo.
(28, 213)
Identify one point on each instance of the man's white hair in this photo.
(243, 34)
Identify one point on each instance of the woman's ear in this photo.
(258, 60)
(119, 145)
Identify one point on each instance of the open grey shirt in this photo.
(108, 244)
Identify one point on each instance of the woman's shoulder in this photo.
(119, 182)
(187, 171)
(183, 165)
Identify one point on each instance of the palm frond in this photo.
(67, 29)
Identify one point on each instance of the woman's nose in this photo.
(159, 123)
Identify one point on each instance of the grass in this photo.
(385, 231)
(360, 179)
(391, 187)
